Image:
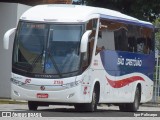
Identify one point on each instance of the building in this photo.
(10, 12)
(36, 2)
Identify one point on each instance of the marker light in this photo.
(16, 82)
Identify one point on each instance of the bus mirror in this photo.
(6, 38)
(84, 41)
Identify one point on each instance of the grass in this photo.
(9, 101)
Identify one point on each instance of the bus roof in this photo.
(76, 13)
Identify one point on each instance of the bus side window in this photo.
(147, 36)
(105, 41)
(112, 36)
(140, 45)
(121, 41)
(131, 44)
(88, 55)
(99, 46)
(149, 45)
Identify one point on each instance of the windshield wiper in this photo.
(54, 63)
(43, 60)
(35, 61)
(49, 54)
(29, 67)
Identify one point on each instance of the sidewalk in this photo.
(10, 101)
(151, 104)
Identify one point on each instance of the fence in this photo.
(156, 90)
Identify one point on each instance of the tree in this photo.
(157, 34)
(147, 10)
(77, 2)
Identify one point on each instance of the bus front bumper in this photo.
(70, 95)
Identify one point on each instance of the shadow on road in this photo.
(71, 112)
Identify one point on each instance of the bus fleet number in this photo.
(58, 82)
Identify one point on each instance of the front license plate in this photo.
(42, 95)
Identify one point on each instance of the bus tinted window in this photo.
(125, 37)
(121, 42)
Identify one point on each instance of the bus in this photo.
(81, 56)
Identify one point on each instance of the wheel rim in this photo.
(137, 99)
(94, 100)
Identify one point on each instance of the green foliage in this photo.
(147, 10)
(157, 34)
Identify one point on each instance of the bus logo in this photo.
(27, 81)
(42, 88)
(47, 65)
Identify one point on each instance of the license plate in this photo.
(42, 95)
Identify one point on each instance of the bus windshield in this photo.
(47, 49)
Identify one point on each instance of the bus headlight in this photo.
(16, 82)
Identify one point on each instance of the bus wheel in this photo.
(135, 105)
(79, 107)
(32, 105)
(132, 107)
(93, 105)
(122, 107)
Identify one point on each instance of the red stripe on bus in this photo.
(124, 82)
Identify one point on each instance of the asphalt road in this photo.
(21, 110)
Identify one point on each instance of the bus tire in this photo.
(132, 107)
(91, 107)
(122, 107)
(135, 105)
(32, 105)
(79, 107)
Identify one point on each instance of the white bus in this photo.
(82, 56)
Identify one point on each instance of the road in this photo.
(69, 111)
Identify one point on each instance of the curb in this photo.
(10, 101)
(151, 105)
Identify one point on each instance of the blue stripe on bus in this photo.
(118, 63)
(127, 21)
